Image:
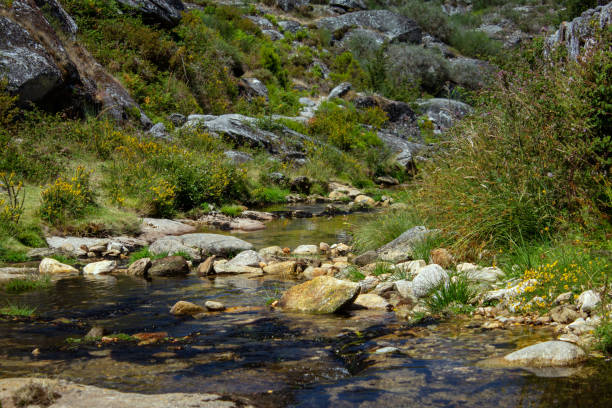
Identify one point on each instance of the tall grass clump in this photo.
(378, 231)
(454, 296)
(533, 160)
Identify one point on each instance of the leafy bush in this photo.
(67, 199)
(11, 208)
(412, 66)
(12, 256)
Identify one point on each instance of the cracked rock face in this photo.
(29, 70)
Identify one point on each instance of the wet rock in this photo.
(311, 272)
(206, 267)
(340, 90)
(287, 268)
(306, 250)
(372, 301)
(51, 266)
(366, 258)
(169, 266)
(228, 267)
(247, 258)
(183, 308)
(427, 279)
(164, 12)
(588, 301)
(213, 306)
(95, 332)
(442, 257)
(395, 27)
(99, 268)
(387, 350)
(563, 314)
(401, 247)
(150, 337)
(547, 354)
(323, 294)
(139, 267)
(85, 396)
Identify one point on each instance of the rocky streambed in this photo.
(248, 353)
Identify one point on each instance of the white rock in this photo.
(99, 268)
(428, 278)
(372, 301)
(404, 288)
(547, 354)
(50, 265)
(411, 267)
(387, 350)
(246, 258)
(485, 275)
(306, 250)
(589, 300)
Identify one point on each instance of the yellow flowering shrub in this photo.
(541, 285)
(67, 199)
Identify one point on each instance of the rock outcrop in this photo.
(164, 12)
(393, 26)
(578, 33)
(323, 294)
(547, 354)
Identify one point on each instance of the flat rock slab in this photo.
(78, 246)
(153, 228)
(86, 396)
(323, 294)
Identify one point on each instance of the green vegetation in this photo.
(64, 259)
(382, 268)
(12, 256)
(454, 296)
(145, 253)
(231, 210)
(28, 284)
(17, 310)
(354, 274)
(382, 229)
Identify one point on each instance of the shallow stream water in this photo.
(276, 359)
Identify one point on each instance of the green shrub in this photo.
(64, 259)
(354, 274)
(382, 268)
(145, 253)
(272, 62)
(231, 210)
(67, 199)
(603, 333)
(12, 256)
(454, 296)
(474, 43)
(11, 207)
(271, 195)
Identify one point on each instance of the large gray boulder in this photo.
(547, 354)
(579, 33)
(171, 246)
(164, 12)
(67, 23)
(401, 247)
(394, 26)
(349, 4)
(215, 244)
(241, 129)
(469, 72)
(323, 294)
(28, 68)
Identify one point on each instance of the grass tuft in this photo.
(28, 284)
(453, 296)
(17, 310)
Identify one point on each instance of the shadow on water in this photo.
(277, 359)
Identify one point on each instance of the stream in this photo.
(276, 359)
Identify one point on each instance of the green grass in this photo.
(354, 274)
(603, 333)
(12, 256)
(382, 229)
(453, 296)
(422, 248)
(231, 210)
(382, 268)
(270, 195)
(28, 284)
(17, 310)
(64, 259)
(145, 253)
